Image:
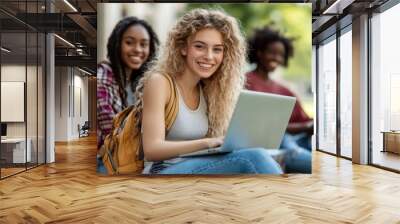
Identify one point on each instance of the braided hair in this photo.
(114, 53)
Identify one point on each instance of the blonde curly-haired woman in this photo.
(203, 55)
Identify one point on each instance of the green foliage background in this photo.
(292, 20)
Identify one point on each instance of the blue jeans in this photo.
(245, 161)
(303, 140)
(100, 166)
(296, 159)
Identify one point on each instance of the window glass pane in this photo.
(15, 150)
(22, 78)
(385, 82)
(327, 96)
(313, 89)
(41, 98)
(346, 94)
(31, 96)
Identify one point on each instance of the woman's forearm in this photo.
(163, 150)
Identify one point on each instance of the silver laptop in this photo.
(259, 120)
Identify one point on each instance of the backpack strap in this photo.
(172, 107)
(120, 119)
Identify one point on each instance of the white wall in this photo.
(71, 93)
(61, 103)
(17, 73)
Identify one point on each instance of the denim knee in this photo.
(253, 154)
(298, 161)
(262, 161)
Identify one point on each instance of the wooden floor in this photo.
(70, 191)
(10, 171)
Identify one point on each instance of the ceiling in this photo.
(331, 15)
(76, 22)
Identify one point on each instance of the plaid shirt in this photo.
(109, 101)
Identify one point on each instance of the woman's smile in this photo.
(205, 66)
(136, 59)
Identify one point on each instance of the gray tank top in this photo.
(189, 124)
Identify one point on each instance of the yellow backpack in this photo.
(122, 151)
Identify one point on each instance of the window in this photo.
(385, 84)
(327, 96)
(346, 93)
(23, 76)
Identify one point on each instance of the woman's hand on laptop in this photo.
(214, 142)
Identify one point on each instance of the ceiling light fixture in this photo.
(337, 7)
(84, 71)
(70, 5)
(65, 41)
(5, 50)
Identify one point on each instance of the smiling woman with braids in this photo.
(131, 46)
(203, 57)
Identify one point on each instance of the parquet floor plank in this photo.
(70, 191)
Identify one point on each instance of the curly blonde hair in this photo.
(222, 88)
